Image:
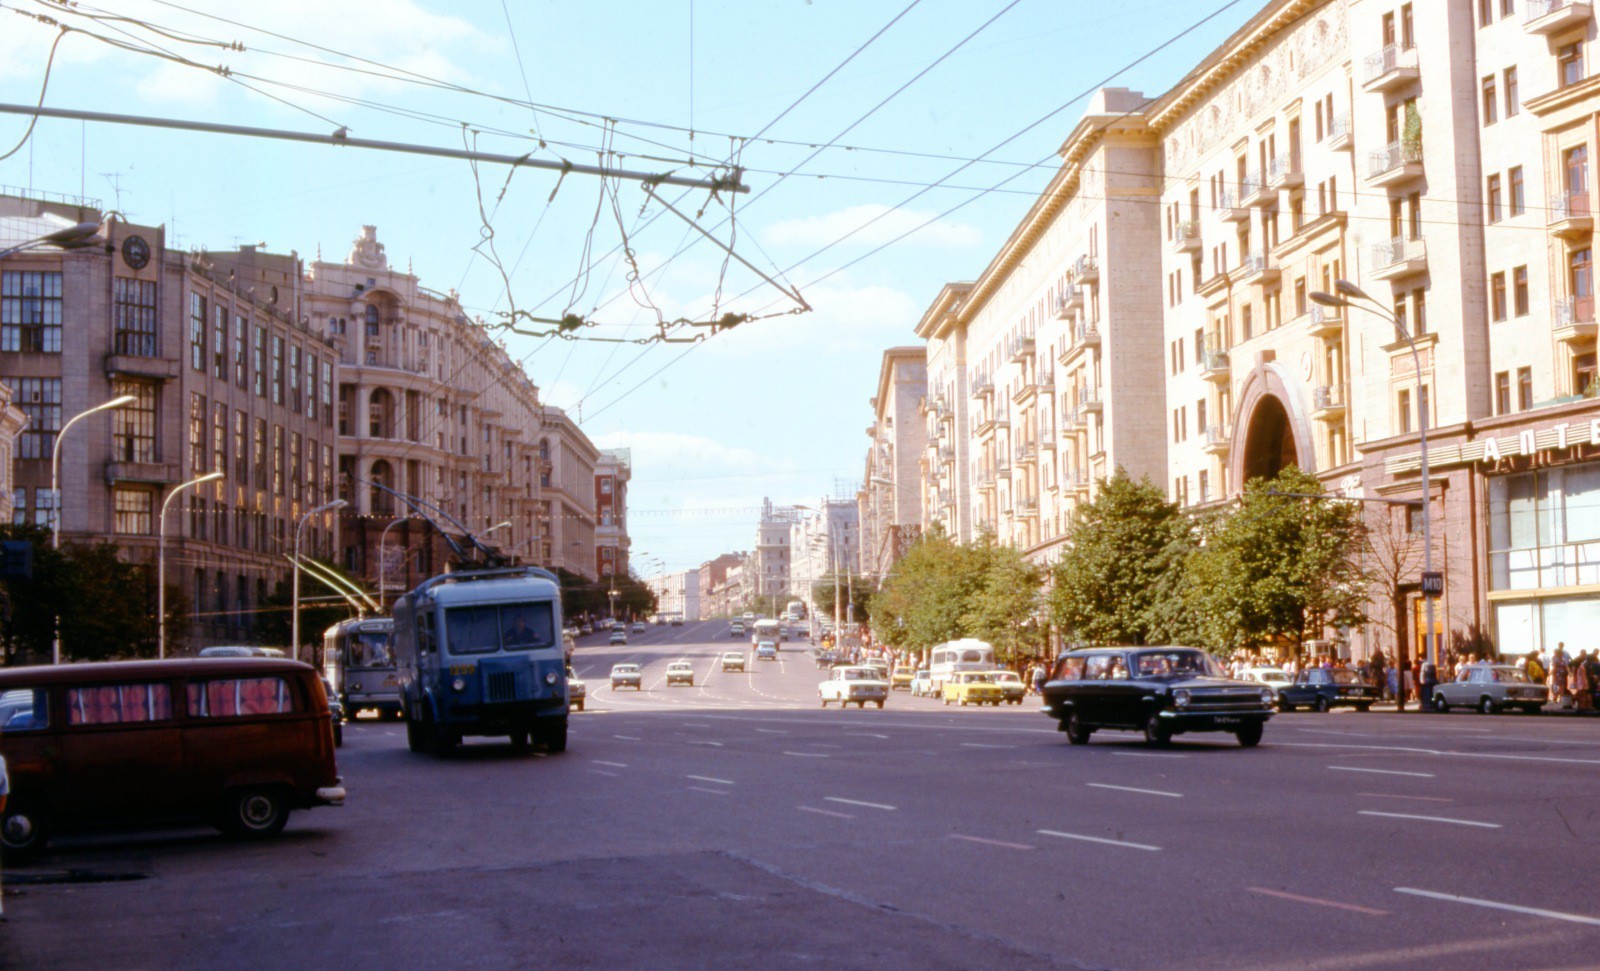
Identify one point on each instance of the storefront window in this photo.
(1544, 529)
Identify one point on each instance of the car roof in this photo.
(102, 671)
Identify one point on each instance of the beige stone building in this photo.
(567, 512)
(612, 474)
(11, 425)
(889, 505)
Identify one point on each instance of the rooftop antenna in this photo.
(115, 178)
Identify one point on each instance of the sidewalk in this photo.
(1412, 709)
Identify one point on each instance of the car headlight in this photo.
(550, 677)
(1181, 698)
(1268, 696)
(459, 684)
(355, 686)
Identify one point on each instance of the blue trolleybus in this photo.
(480, 653)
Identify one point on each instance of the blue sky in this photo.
(775, 407)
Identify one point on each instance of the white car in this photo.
(766, 651)
(854, 684)
(1275, 678)
(638, 627)
(626, 676)
(922, 684)
(680, 671)
(577, 691)
(733, 661)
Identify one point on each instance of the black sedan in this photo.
(1321, 689)
(1162, 691)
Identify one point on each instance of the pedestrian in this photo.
(1409, 681)
(1558, 676)
(1393, 685)
(1039, 675)
(1536, 672)
(1429, 679)
(1379, 675)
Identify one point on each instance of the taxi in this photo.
(901, 679)
(1011, 685)
(973, 688)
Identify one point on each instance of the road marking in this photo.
(1434, 751)
(1150, 755)
(604, 772)
(1429, 819)
(1318, 901)
(714, 792)
(982, 745)
(695, 725)
(1392, 795)
(772, 731)
(707, 778)
(1496, 905)
(1096, 839)
(1148, 792)
(712, 744)
(860, 734)
(824, 812)
(857, 802)
(808, 755)
(989, 842)
(825, 745)
(1352, 768)
(614, 765)
(627, 738)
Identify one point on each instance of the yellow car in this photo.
(973, 688)
(901, 678)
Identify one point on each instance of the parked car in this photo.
(1322, 689)
(856, 684)
(237, 742)
(1489, 688)
(1275, 678)
(618, 636)
(626, 676)
(922, 684)
(766, 651)
(1010, 685)
(638, 627)
(680, 672)
(901, 679)
(733, 661)
(880, 666)
(1163, 691)
(677, 622)
(586, 628)
(972, 688)
(577, 691)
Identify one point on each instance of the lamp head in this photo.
(1350, 290)
(1328, 299)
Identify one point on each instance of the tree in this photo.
(1002, 606)
(1278, 568)
(854, 590)
(122, 623)
(924, 597)
(1118, 581)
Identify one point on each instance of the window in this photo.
(1502, 393)
(131, 511)
(277, 369)
(1517, 197)
(1580, 280)
(277, 460)
(133, 426)
(197, 433)
(29, 712)
(40, 401)
(219, 438)
(197, 331)
(1524, 388)
(1569, 64)
(259, 352)
(1408, 37)
(296, 468)
(1491, 100)
(1403, 410)
(233, 697)
(260, 451)
(240, 359)
(117, 704)
(133, 309)
(30, 312)
(219, 342)
(1519, 291)
(1485, 12)
(1513, 104)
(241, 449)
(1492, 199)
(1497, 296)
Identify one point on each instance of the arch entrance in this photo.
(1269, 444)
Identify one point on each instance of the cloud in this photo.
(885, 225)
(683, 457)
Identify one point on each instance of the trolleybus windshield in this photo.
(489, 628)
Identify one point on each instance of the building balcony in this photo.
(137, 366)
(1218, 438)
(1398, 257)
(1570, 216)
(1085, 270)
(1215, 366)
(1186, 237)
(1070, 302)
(1045, 383)
(1575, 323)
(1341, 136)
(1325, 322)
(1072, 419)
(1026, 454)
(1086, 335)
(1327, 404)
(1255, 268)
(1546, 17)
(1284, 172)
(1390, 68)
(1021, 350)
(985, 481)
(1230, 209)
(1089, 400)
(947, 453)
(1255, 193)
(982, 387)
(149, 473)
(1395, 164)
(1076, 479)
(1047, 440)
(1027, 507)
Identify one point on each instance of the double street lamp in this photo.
(1348, 292)
(161, 560)
(294, 612)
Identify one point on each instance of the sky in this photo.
(889, 147)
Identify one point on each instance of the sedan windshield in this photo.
(1175, 664)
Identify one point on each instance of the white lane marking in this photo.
(712, 744)
(859, 734)
(1393, 795)
(1097, 839)
(1148, 792)
(614, 765)
(1434, 751)
(825, 745)
(714, 792)
(808, 755)
(627, 738)
(604, 772)
(982, 745)
(1373, 911)
(1352, 768)
(772, 731)
(824, 812)
(1496, 905)
(1429, 819)
(857, 802)
(707, 778)
(1151, 755)
(989, 842)
(695, 725)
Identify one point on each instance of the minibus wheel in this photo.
(256, 813)
(23, 831)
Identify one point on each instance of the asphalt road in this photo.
(737, 824)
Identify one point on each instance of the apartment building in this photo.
(943, 466)
(224, 376)
(611, 476)
(768, 573)
(567, 511)
(889, 505)
(825, 539)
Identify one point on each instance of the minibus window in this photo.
(233, 697)
(119, 704)
(24, 710)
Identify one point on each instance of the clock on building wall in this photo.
(135, 252)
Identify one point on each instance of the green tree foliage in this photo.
(854, 590)
(941, 590)
(1002, 607)
(1278, 569)
(120, 624)
(1118, 580)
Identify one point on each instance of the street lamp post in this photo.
(55, 489)
(1347, 292)
(383, 555)
(72, 237)
(294, 611)
(161, 560)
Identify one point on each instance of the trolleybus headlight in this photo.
(459, 684)
(550, 677)
(1181, 698)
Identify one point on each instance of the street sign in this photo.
(1432, 584)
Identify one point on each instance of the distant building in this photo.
(611, 476)
(568, 488)
(714, 585)
(771, 565)
(825, 540)
(889, 507)
(677, 594)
